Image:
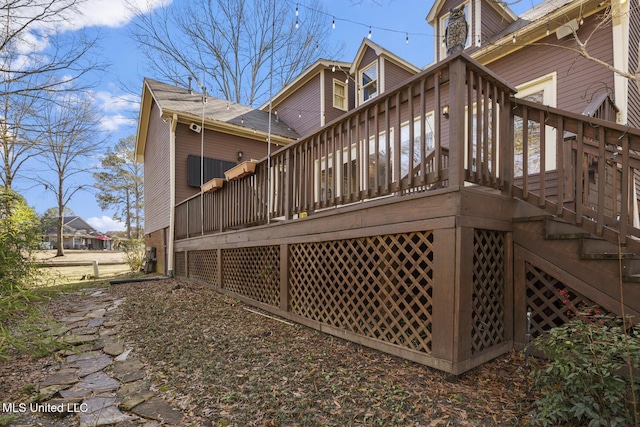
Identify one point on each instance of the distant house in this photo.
(77, 234)
(421, 212)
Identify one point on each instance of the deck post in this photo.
(463, 285)
(284, 277)
(457, 76)
(506, 145)
(443, 321)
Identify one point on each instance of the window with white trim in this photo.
(340, 93)
(369, 82)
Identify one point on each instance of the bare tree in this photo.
(233, 46)
(70, 139)
(38, 57)
(36, 51)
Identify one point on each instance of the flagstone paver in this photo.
(99, 383)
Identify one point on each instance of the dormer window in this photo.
(369, 82)
(444, 21)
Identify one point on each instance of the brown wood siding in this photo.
(305, 102)
(575, 74)
(633, 112)
(394, 75)
(492, 22)
(156, 178)
(216, 146)
(369, 56)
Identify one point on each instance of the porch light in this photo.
(240, 154)
(445, 111)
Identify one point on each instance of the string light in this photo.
(371, 27)
(513, 39)
(333, 68)
(300, 114)
(548, 30)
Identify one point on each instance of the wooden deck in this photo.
(410, 232)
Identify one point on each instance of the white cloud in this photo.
(116, 122)
(105, 223)
(110, 102)
(109, 13)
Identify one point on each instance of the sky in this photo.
(118, 91)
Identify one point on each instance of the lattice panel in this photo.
(179, 266)
(552, 303)
(379, 287)
(488, 315)
(203, 265)
(253, 272)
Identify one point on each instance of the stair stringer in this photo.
(559, 263)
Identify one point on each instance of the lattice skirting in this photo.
(253, 273)
(203, 266)
(379, 287)
(179, 265)
(552, 303)
(488, 315)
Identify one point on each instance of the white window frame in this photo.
(376, 81)
(443, 26)
(345, 97)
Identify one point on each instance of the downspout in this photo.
(172, 192)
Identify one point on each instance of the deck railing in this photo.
(403, 141)
(445, 127)
(589, 167)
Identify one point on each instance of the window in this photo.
(444, 21)
(213, 168)
(543, 91)
(369, 82)
(339, 95)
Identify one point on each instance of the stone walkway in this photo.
(101, 382)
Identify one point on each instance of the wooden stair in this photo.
(584, 262)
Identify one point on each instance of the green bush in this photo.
(20, 235)
(587, 380)
(134, 253)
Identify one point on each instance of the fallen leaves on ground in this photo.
(225, 366)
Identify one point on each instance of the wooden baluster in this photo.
(560, 164)
(525, 153)
(627, 179)
(579, 181)
(602, 178)
(543, 159)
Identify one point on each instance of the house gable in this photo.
(375, 70)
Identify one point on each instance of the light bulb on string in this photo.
(297, 24)
(333, 23)
(513, 39)
(296, 10)
(406, 40)
(369, 36)
(333, 68)
(300, 114)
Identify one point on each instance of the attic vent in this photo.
(213, 168)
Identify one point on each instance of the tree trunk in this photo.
(60, 251)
